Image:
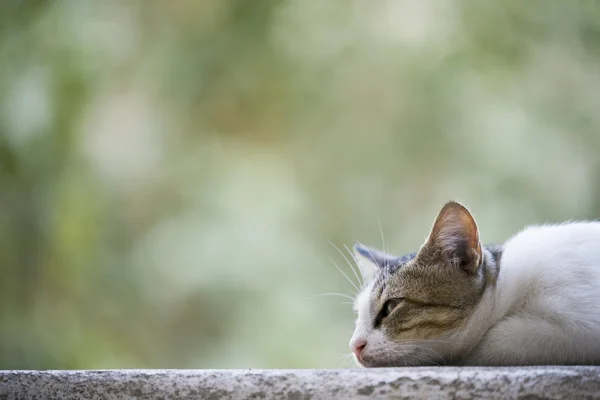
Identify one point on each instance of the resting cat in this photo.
(535, 300)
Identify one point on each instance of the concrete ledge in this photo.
(399, 383)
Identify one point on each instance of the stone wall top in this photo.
(398, 383)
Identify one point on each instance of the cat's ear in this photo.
(455, 238)
(370, 261)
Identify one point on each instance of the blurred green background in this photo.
(172, 172)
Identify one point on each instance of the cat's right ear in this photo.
(454, 238)
(369, 261)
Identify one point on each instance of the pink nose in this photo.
(358, 347)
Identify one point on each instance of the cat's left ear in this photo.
(370, 261)
(455, 238)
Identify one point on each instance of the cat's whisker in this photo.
(395, 355)
(347, 360)
(381, 233)
(330, 294)
(348, 262)
(425, 361)
(370, 253)
(429, 349)
(392, 356)
(345, 276)
(406, 353)
(421, 341)
(361, 281)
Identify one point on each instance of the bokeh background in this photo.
(172, 173)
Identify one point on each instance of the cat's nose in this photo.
(358, 346)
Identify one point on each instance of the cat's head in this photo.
(412, 310)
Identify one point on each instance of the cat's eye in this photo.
(389, 306)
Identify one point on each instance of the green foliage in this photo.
(171, 172)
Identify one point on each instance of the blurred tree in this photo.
(171, 172)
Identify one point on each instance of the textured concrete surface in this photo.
(399, 383)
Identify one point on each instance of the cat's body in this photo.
(533, 301)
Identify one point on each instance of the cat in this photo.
(533, 301)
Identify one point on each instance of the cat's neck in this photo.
(490, 309)
(491, 265)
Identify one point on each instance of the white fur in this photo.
(364, 322)
(544, 309)
(364, 319)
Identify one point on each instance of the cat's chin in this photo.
(371, 363)
(366, 363)
(409, 360)
(396, 363)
